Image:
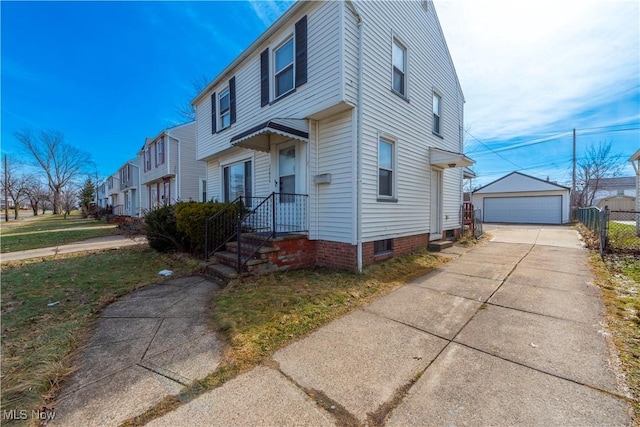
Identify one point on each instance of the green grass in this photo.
(623, 236)
(38, 341)
(47, 222)
(259, 315)
(50, 230)
(25, 242)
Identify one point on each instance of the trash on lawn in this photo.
(165, 273)
(53, 304)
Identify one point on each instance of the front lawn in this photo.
(38, 340)
(259, 315)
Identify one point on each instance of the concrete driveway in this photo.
(509, 333)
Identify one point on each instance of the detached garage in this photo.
(522, 199)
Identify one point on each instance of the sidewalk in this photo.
(107, 242)
(507, 334)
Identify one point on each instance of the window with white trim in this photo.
(283, 72)
(385, 167)
(437, 112)
(238, 181)
(160, 152)
(147, 159)
(399, 54)
(225, 108)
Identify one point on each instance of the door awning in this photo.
(448, 159)
(261, 136)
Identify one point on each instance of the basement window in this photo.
(382, 246)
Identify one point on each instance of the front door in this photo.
(286, 187)
(436, 205)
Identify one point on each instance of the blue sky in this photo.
(110, 74)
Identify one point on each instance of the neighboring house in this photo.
(114, 196)
(129, 175)
(169, 170)
(520, 198)
(635, 161)
(352, 113)
(608, 187)
(618, 203)
(101, 195)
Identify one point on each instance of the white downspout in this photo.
(358, 151)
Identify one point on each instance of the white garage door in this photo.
(524, 210)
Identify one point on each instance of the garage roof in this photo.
(516, 182)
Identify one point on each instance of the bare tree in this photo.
(60, 161)
(69, 198)
(37, 194)
(15, 188)
(185, 110)
(598, 163)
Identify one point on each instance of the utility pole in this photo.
(573, 182)
(6, 190)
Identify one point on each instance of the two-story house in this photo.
(129, 175)
(169, 171)
(351, 110)
(113, 193)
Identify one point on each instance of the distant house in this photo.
(611, 187)
(349, 116)
(519, 198)
(635, 161)
(129, 181)
(114, 197)
(169, 171)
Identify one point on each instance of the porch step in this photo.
(231, 259)
(438, 245)
(222, 272)
(249, 249)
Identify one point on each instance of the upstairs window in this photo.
(399, 68)
(147, 159)
(225, 109)
(385, 168)
(284, 68)
(160, 152)
(437, 105)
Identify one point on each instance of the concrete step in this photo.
(231, 259)
(438, 245)
(250, 249)
(223, 272)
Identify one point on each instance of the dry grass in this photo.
(259, 315)
(618, 278)
(37, 340)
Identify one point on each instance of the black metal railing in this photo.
(221, 228)
(254, 221)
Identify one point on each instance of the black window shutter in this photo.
(213, 113)
(264, 77)
(301, 52)
(232, 99)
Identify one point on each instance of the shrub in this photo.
(162, 232)
(191, 219)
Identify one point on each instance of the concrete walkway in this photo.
(509, 333)
(144, 347)
(98, 243)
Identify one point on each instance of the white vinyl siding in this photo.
(429, 66)
(321, 92)
(331, 204)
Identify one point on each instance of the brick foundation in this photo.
(336, 255)
(294, 253)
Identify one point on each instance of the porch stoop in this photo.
(285, 252)
(438, 245)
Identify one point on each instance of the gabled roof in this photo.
(636, 156)
(516, 182)
(619, 183)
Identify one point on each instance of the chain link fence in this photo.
(617, 231)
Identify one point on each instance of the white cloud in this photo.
(268, 11)
(525, 66)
